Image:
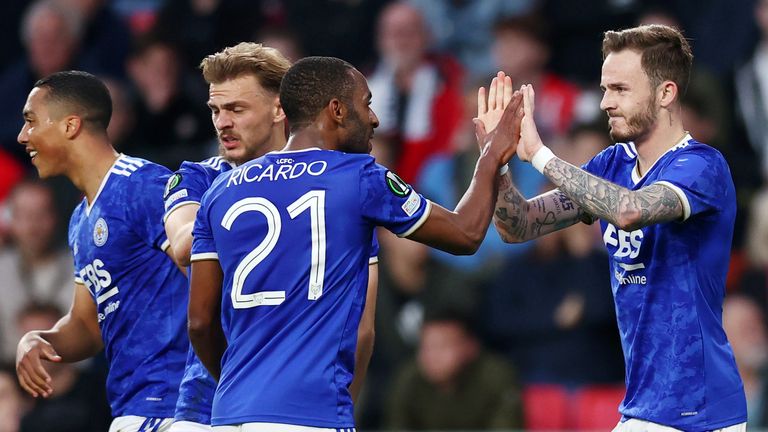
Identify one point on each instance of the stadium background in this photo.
(515, 337)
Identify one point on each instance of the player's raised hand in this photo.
(33, 377)
(503, 140)
(530, 141)
(490, 108)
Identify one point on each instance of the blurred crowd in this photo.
(514, 337)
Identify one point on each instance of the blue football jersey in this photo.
(293, 234)
(668, 283)
(141, 297)
(187, 186)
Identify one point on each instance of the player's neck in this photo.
(308, 137)
(91, 162)
(666, 134)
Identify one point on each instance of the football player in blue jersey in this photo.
(244, 83)
(129, 296)
(281, 247)
(666, 205)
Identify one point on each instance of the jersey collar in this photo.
(89, 206)
(636, 177)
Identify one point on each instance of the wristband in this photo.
(504, 169)
(540, 159)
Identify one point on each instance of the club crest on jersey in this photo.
(173, 181)
(100, 232)
(397, 185)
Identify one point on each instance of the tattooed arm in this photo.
(519, 220)
(624, 208)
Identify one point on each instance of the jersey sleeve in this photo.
(185, 186)
(203, 246)
(390, 202)
(700, 179)
(145, 209)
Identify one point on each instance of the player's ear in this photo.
(278, 115)
(71, 126)
(668, 93)
(337, 110)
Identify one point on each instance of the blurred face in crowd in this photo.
(402, 36)
(155, 72)
(445, 349)
(628, 98)
(50, 43)
(519, 55)
(744, 324)
(43, 134)
(33, 219)
(245, 117)
(361, 120)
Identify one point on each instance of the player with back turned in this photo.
(666, 205)
(244, 81)
(129, 296)
(288, 235)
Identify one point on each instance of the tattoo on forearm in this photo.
(611, 202)
(518, 219)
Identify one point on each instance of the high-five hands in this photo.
(530, 141)
(501, 113)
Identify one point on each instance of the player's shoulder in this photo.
(690, 148)
(137, 170)
(216, 164)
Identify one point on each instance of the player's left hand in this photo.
(491, 108)
(502, 142)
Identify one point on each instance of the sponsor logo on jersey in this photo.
(625, 277)
(173, 181)
(100, 232)
(179, 194)
(411, 204)
(397, 185)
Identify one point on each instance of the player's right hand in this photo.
(30, 352)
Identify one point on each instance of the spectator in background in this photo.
(417, 96)
(121, 126)
(752, 90)
(79, 402)
(106, 38)
(200, 27)
(521, 49)
(12, 401)
(464, 28)
(744, 323)
(170, 125)
(453, 384)
(35, 267)
(282, 39)
(51, 35)
(338, 28)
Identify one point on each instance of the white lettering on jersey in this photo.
(627, 243)
(97, 279)
(287, 170)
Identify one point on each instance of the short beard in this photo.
(357, 142)
(639, 124)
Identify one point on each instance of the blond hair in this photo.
(267, 64)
